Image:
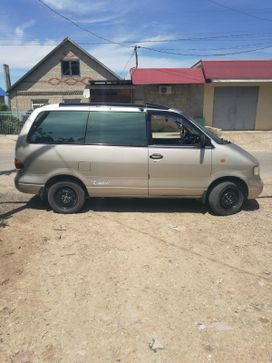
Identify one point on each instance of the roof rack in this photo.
(155, 105)
(147, 105)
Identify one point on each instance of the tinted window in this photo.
(57, 127)
(117, 128)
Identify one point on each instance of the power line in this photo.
(238, 10)
(244, 46)
(76, 24)
(10, 42)
(204, 55)
(127, 63)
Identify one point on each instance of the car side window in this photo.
(116, 128)
(168, 129)
(59, 127)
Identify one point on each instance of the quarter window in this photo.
(116, 128)
(59, 127)
(70, 68)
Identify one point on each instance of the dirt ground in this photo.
(160, 281)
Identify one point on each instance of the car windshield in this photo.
(208, 132)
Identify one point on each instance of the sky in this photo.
(173, 33)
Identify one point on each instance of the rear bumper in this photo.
(255, 187)
(27, 188)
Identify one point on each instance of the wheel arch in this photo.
(58, 178)
(240, 182)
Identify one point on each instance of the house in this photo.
(60, 76)
(2, 96)
(111, 91)
(237, 94)
(181, 88)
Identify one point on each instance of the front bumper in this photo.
(255, 187)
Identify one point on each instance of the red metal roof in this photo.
(237, 69)
(167, 76)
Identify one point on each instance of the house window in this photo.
(70, 68)
(39, 103)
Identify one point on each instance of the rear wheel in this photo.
(66, 197)
(226, 198)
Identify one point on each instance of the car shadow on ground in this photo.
(34, 203)
(7, 172)
(251, 205)
(142, 205)
(155, 205)
(122, 205)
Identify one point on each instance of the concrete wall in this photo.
(264, 105)
(264, 108)
(188, 98)
(47, 82)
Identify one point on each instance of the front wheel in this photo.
(226, 198)
(66, 197)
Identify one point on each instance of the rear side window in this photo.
(116, 128)
(59, 127)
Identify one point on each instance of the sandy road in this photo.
(102, 285)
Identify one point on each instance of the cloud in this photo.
(102, 7)
(20, 30)
(74, 6)
(109, 19)
(26, 56)
(121, 59)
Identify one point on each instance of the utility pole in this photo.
(136, 54)
(7, 79)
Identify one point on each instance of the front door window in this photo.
(173, 130)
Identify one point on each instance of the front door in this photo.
(178, 166)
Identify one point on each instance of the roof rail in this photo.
(101, 104)
(147, 105)
(154, 105)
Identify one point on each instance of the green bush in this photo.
(3, 107)
(9, 124)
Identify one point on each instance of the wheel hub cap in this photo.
(229, 199)
(66, 197)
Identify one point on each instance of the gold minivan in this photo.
(67, 152)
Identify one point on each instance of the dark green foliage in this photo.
(9, 124)
(3, 107)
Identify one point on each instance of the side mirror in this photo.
(202, 142)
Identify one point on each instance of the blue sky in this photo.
(29, 30)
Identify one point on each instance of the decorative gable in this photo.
(68, 54)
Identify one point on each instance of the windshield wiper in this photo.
(225, 141)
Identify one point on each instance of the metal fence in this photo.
(12, 122)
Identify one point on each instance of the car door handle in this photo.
(156, 156)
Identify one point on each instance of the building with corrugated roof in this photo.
(237, 94)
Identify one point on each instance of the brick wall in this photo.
(188, 98)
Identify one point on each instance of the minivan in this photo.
(67, 152)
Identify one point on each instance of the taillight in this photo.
(18, 164)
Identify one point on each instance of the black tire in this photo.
(226, 198)
(66, 197)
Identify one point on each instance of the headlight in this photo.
(256, 170)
